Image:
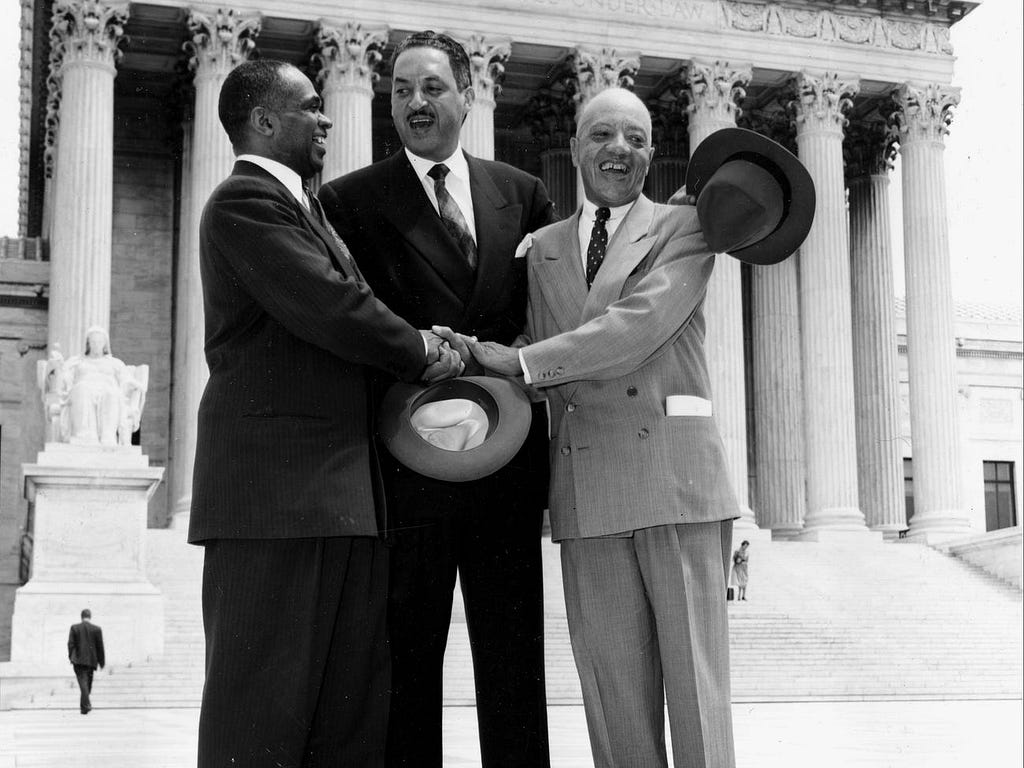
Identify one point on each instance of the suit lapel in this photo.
(627, 248)
(409, 210)
(497, 233)
(560, 274)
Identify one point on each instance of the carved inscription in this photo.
(699, 13)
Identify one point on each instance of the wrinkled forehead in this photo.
(615, 107)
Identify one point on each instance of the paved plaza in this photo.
(847, 734)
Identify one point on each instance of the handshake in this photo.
(451, 354)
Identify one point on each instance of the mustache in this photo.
(421, 112)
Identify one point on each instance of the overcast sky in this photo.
(983, 155)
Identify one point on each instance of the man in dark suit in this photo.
(294, 576)
(85, 650)
(435, 231)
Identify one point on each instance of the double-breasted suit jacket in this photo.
(291, 331)
(607, 360)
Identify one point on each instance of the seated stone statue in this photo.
(101, 397)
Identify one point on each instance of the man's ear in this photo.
(263, 121)
(574, 149)
(468, 95)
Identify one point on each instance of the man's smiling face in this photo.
(612, 147)
(427, 106)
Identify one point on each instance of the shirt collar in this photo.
(457, 165)
(279, 171)
(617, 212)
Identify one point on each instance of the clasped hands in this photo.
(450, 354)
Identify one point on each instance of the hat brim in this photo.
(797, 187)
(508, 414)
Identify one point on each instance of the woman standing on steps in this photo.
(739, 570)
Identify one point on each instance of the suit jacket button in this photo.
(566, 450)
(643, 434)
(558, 371)
(570, 407)
(631, 391)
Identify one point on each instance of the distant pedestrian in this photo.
(85, 649)
(739, 570)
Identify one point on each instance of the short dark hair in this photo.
(458, 59)
(86, 613)
(251, 84)
(744, 542)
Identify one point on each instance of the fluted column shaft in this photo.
(86, 37)
(714, 91)
(487, 57)
(778, 399)
(666, 176)
(559, 177)
(879, 455)
(824, 272)
(348, 58)
(218, 44)
(923, 116)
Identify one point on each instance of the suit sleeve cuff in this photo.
(522, 364)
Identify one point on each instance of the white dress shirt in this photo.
(456, 182)
(281, 172)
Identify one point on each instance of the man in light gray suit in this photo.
(640, 498)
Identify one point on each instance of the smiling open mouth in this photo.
(609, 166)
(420, 121)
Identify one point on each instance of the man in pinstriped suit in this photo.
(640, 498)
(294, 576)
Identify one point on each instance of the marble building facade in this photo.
(818, 382)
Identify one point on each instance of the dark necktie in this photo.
(598, 244)
(451, 216)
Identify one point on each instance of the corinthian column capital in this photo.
(923, 112)
(599, 68)
(487, 57)
(821, 101)
(88, 31)
(714, 90)
(349, 55)
(221, 41)
(869, 149)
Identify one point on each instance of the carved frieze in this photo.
(220, 41)
(350, 54)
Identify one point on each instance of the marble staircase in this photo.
(823, 621)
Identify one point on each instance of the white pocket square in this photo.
(687, 405)
(524, 246)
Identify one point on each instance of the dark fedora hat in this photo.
(755, 199)
(504, 421)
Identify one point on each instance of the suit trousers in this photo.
(297, 670)
(84, 674)
(647, 617)
(493, 543)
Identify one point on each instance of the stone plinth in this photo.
(88, 552)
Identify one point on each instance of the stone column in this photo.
(876, 395)
(922, 118)
(666, 176)
(348, 58)
(779, 470)
(671, 144)
(487, 57)
(824, 274)
(85, 38)
(714, 89)
(595, 69)
(551, 114)
(218, 43)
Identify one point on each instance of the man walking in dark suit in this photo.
(85, 650)
(435, 231)
(294, 576)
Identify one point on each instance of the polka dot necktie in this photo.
(451, 216)
(598, 244)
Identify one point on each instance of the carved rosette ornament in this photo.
(599, 68)
(81, 31)
(869, 149)
(349, 55)
(924, 112)
(715, 90)
(821, 101)
(220, 42)
(487, 57)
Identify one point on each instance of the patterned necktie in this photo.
(316, 208)
(598, 244)
(451, 216)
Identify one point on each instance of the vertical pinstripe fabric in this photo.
(297, 670)
(647, 615)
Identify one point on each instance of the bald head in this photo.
(612, 147)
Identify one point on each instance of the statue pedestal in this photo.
(90, 510)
